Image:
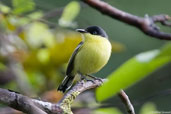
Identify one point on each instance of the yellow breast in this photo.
(93, 55)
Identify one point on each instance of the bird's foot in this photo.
(95, 78)
(86, 78)
(83, 77)
(90, 78)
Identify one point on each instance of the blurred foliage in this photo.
(42, 51)
(52, 96)
(136, 68)
(4, 9)
(107, 111)
(22, 6)
(69, 14)
(35, 51)
(2, 66)
(148, 108)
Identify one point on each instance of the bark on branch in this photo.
(146, 24)
(19, 102)
(125, 99)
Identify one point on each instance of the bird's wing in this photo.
(71, 61)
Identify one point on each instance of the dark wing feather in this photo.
(71, 61)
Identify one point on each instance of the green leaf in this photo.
(69, 14)
(22, 6)
(35, 15)
(148, 108)
(38, 34)
(37, 80)
(2, 66)
(4, 9)
(107, 111)
(134, 70)
(43, 55)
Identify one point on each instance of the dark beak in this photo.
(81, 30)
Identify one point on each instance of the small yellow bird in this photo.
(89, 57)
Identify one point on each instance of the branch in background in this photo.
(126, 102)
(146, 24)
(53, 13)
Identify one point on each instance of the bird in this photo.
(89, 57)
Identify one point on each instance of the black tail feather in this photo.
(66, 83)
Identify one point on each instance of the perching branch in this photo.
(19, 102)
(146, 24)
(33, 106)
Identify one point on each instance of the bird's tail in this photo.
(66, 83)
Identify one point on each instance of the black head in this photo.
(94, 30)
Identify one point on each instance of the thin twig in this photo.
(125, 99)
(53, 13)
(146, 24)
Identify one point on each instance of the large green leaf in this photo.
(134, 70)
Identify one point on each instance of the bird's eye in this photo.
(95, 33)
